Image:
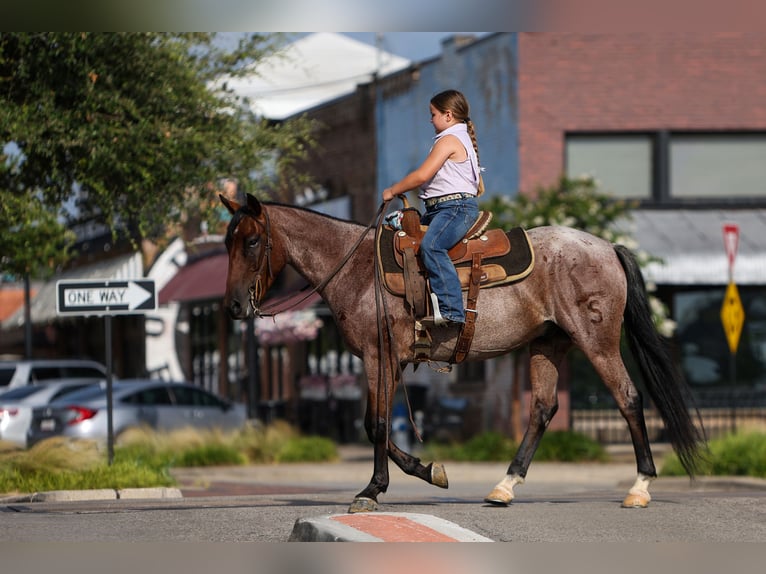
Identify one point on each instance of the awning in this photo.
(690, 243)
(199, 280)
(43, 304)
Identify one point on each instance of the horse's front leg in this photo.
(377, 423)
(367, 499)
(434, 473)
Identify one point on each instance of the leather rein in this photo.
(256, 289)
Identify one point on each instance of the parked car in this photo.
(159, 405)
(29, 371)
(16, 405)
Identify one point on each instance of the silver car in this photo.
(16, 405)
(159, 405)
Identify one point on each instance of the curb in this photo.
(96, 494)
(381, 527)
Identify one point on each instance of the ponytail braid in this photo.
(472, 133)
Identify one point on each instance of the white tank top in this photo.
(454, 176)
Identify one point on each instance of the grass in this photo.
(740, 454)
(143, 458)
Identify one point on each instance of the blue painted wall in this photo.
(485, 72)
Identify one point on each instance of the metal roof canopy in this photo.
(690, 242)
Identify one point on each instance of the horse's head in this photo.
(251, 269)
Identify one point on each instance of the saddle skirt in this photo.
(505, 257)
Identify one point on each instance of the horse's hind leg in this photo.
(614, 374)
(545, 357)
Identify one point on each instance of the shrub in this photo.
(143, 458)
(307, 449)
(740, 454)
(484, 447)
(564, 446)
(210, 455)
(569, 446)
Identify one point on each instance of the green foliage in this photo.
(574, 203)
(740, 454)
(487, 446)
(307, 449)
(144, 458)
(60, 464)
(34, 240)
(134, 128)
(565, 446)
(210, 455)
(569, 446)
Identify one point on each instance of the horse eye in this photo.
(253, 242)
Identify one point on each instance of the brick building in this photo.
(675, 121)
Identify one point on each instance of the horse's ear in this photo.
(253, 204)
(230, 204)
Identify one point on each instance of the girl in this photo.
(449, 182)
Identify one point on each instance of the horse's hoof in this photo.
(499, 497)
(439, 475)
(362, 504)
(636, 500)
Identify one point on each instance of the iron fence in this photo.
(721, 411)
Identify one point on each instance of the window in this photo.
(718, 165)
(152, 396)
(620, 163)
(195, 397)
(6, 374)
(672, 167)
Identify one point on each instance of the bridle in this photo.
(256, 290)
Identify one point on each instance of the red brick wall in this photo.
(642, 81)
(345, 160)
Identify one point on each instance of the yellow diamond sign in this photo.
(732, 316)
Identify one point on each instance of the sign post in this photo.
(106, 297)
(732, 312)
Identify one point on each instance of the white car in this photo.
(30, 371)
(16, 406)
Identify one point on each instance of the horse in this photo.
(581, 293)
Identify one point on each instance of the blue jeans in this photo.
(447, 223)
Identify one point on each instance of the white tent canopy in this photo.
(315, 69)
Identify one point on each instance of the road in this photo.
(560, 502)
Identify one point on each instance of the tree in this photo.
(126, 130)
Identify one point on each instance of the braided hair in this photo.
(456, 102)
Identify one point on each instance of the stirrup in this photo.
(437, 319)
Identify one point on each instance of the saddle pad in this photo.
(515, 264)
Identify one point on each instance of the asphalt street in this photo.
(560, 502)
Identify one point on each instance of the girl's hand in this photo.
(388, 195)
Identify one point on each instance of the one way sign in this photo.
(105, 297)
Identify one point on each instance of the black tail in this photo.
(664, 382)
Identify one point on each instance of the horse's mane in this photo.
(307, 210)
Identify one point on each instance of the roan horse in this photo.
(580, 293)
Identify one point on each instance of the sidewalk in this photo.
(354, 469)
